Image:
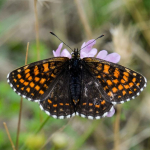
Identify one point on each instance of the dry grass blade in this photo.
(19, 120)
(12, 144)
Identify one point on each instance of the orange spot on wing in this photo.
(131, 84)
(130, 92)
(52, 75)
(41, 92)
(90, 104)
(49, 101)
(123, 81)
(22, 88)
(109, 82)
(17, 85)
(27, 75)
(26, 83)
(114, 89)
(28, 89)
(30, 78)
(84, 104)
(32, 94)
(134, 74)
(42, 80)
(45, 86)
(116, 73)
(36, 70)
(97, 106)
(36, 79)
(61, 104)
(21, 80)
(138, 84)
(37, 87)
(123, 92)
(32, 84)
(120, 87)
(110, 93)
(99, 67)
(54, 105)
(126, 86)
(115, 81)
(19, 70)
(67, 104)
(19, 76)
(26, 71)
(125, 78)
(45, 67)
(134, 79)
(106, 69)
(103, 102)
(98, 76)
(15, 80)
(126, 74)
(119, 96)
(135, 89)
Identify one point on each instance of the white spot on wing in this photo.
(68, 116)
(61, 117)
(41, 107)
(19, 93)
(127, 99)
(138, 93)
(90, 117)
(105, 114)
(114, 103)
(37, 100)
(23, 96)
(82, 115)
(77, 113)
(14, 89)
(11, 85)
(8, 80)
(8, 75)
(133, 97)
(54, 116)
(73, 114)
(121, 102)
(29, 99)
(97, 117)
(47, 112)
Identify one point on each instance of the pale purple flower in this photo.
(89, 51)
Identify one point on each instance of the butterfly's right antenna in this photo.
(61, 40)
(92, 41)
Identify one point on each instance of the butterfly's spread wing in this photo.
(92, 104)
(118, 83)
(58, 104)
(33, 81)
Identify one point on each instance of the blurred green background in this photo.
(126, 26)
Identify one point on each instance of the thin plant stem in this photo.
(12, 144)
(117, 128)
(83, 18)
(21, 101)
(37, 29)
(37, 39)
(59, 130)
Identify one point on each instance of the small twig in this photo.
(12, 144)
(19, 121)
(117, 128)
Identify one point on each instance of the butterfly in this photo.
(87, 87)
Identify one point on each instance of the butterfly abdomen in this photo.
(75, 79)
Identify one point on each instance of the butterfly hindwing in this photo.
(120, 84)
(58, 104)
(33, 80)
(92, 104)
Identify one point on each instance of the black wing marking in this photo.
(92, 104)
(58, 104)
(119, 83)
(33, 80)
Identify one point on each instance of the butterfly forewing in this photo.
(33, 80)
(58, 104)
(119, 83)
(92, 104)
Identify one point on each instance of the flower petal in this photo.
(113, 57)
(57, 52)
(65, 53)
(111, 113)
(88, 47)
(102, 54)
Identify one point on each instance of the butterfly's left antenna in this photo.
(61, 40)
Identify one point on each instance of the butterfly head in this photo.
(75, 53)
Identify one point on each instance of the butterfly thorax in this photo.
(75, 76)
